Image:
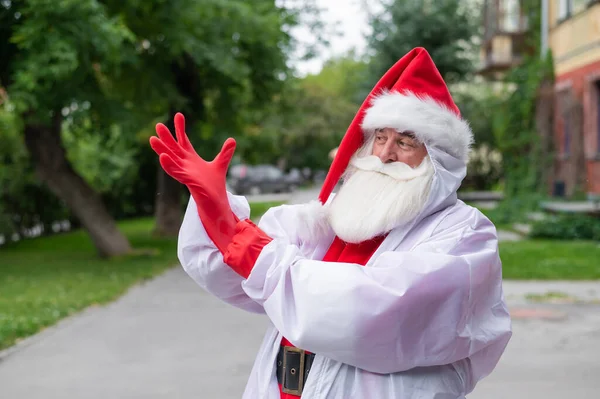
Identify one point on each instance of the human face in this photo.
(392, 146)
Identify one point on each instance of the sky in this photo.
(350, 19)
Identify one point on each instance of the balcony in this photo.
(505, 27)
(494, 64)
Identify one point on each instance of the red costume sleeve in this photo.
(247, 244)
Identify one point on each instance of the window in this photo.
(571, 7)
(579, 5)
(273, 173)
(511, 15)
(565, 9)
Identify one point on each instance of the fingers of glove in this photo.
(160, 148)
(167, 138)
(182, 138)
(224, 157)
(173, 168)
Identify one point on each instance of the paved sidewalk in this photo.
(164, 339)
(553, 354)
(169, 339)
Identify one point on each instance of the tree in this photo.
(308, 119)
(446, 28)
(24, 202)
(86, 74)
(343, 76)
(214, 60)
(58, 56)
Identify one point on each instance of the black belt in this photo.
(293, 366)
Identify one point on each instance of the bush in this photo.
(24, 202)
(484, 169)
(567, 227)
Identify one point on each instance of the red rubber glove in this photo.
(205, 180)
(247, 244)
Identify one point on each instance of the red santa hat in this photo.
(411, 96)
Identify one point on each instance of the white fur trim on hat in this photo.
(431, 122)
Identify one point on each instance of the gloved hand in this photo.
(205, 180)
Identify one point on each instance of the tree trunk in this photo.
(168, 205)
(167, 208)
(52, 167)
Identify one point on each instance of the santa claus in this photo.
(391, 288)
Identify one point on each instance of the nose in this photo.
(388, 155)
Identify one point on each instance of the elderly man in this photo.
(391, 288)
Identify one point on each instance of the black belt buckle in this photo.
(293, 370)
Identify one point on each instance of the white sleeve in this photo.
(203, 262)
(436, 304)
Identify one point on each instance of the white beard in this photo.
(378, 197)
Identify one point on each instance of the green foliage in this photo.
(550, 260)
(114, 69)
(216, 61)
(105, 161)
(484, 169)
(342, 77)
(515, 130)
(478, 103)
(514, 123)
(512, 210)
(446, 28)
(24, 202)
(62, 53)
(567, 227)
(306, 121)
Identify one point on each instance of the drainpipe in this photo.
(544, 32)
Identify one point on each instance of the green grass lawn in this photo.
(45, 279)
(258, 208)
(550, 260)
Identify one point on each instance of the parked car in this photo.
(257, 179)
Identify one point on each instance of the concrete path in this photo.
(169, 339)
(554, 354)
(270, 197)
(164, 339)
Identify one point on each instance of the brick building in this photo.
(574, 38)
(571, 30)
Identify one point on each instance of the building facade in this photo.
(574, 39)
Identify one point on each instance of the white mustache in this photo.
(396, 170)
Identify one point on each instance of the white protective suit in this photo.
(425, 318)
